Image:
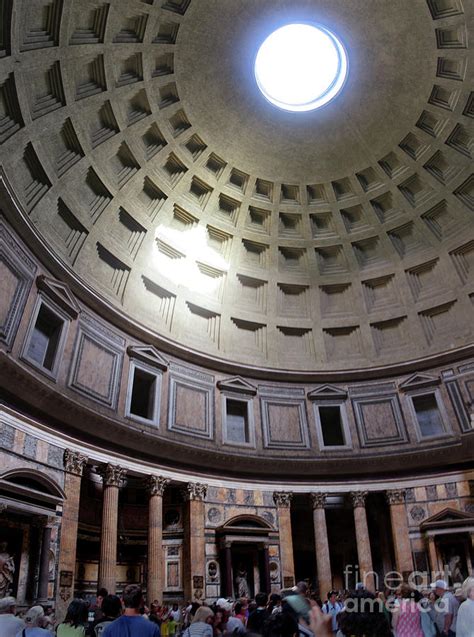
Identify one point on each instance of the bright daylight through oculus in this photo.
(301, 67)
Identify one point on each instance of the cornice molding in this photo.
(132, 441)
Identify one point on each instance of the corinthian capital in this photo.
(195, 491)
(395, 496)
(156, 485)
(282, 499)
(318, 500)
(113, 475)
(74, 462)
(358, 498)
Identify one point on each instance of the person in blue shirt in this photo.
(131, 623)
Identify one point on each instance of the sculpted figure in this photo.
(7, 570)
(454, 567)
(241, 582)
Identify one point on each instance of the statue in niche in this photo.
(242, 586)
(454, 568)
(7, 570)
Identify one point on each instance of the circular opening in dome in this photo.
(301, 67)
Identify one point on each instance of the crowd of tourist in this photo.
(295, 612)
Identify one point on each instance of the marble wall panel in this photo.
(96, 364)
(379, 421)
(284, 423)
(191, 406)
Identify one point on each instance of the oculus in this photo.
(301, 67)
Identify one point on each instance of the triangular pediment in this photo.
(419, 380)
(148, 354)
(448, 517)
(237, 384)
(326, 392)
(59, 293)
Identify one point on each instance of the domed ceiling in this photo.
(136, 141)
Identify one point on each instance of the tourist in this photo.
(97, 608)
(363, 616)
(274, 604)
(201, 625)
(175, 613)
(111, 607)
(332, 607)
(220, 621)
(132, 623)
(406, 621)
(34, 624)
(283, 623)
(172, 625)
(9, 624)
(258, 616)
(239, 612)
(446, 609)
(465, 619)
(154, 615)
(74, 625)
(427, 613)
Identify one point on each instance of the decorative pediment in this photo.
(148, 354)
(237, 384)
(326, 392)
(418, 381)
(59, 293)
(448, 518)
(244, 525)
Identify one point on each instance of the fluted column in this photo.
(74, 463)
(194, 567)
(282, 500)
(323, 561)
(363, 541)
(113, 477)
(401, 538)
(156, 486)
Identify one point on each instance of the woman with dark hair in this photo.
(111, 609)
(74, 624)
(407, 615)
(363, 616)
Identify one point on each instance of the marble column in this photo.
(434, 562)
(113, 477)
(401, 538)
(266, 569)
(366, 571)
(156, 486)
(282, 500)
(43, 579)
(195, 562)
(74, 464)
(229, 589)
(321, 543)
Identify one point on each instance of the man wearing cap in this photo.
(9, 624)
(332, 607)
(446, 609)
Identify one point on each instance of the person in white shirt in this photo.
(332, 607)
(465, 620)
(446, 609)
(9, 624)
(34, 620)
